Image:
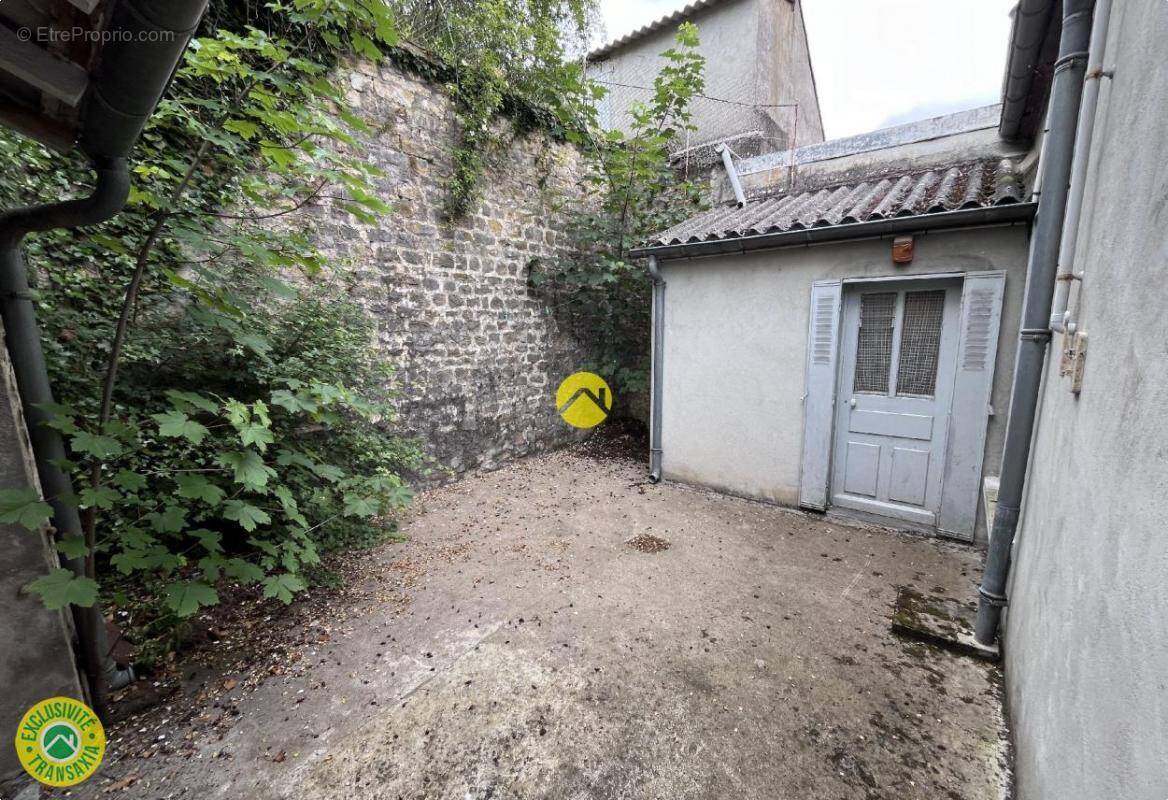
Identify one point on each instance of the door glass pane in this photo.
(920, 343)
(874, 344)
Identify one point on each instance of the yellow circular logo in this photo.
(584, 400)
(60, 741)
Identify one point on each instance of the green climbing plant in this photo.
(632, 191)
(504, 57)
(225, 415)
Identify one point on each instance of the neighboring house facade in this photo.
(758, 74)
(834, 377)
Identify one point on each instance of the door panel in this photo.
(897, 360)
(884, 423)
(981, 312)
(862, 468)
(910, 472)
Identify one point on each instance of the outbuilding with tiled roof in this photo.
(834, 332)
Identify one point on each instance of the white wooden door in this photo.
(898, 353)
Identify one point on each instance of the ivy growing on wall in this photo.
(503, 56)
(509, 57)
(632, 192)
(225, 413)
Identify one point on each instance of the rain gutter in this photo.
(1031, 21)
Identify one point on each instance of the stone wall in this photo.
(479, 353)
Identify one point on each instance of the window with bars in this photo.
(874, 345)
(920, 343)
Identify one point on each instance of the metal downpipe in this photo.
(655, 386)
(134, 71)
(28, 362)
(1057, 153)
(1059, 315)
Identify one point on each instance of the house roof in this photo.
(664, 22)
(89, 72)
(44, 64)
(973, 185)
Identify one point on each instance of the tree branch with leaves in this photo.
(214, 435)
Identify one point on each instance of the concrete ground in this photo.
(533, 640)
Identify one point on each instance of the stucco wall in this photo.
(790, 78)
(1087, 626)
(36, 659)
(756, 55)
(736, 348)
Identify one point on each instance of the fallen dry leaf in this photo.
(124, 783)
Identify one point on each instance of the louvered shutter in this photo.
(819, 401)
(981, 313)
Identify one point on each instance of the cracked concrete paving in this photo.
(543, 657)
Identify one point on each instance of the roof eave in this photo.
(946, 220)
(1028, 34)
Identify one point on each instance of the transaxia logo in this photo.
(60, 741)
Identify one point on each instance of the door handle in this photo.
(852, 402)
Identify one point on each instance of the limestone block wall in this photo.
(479, 353)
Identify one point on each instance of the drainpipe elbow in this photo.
(654, 272)
(110, 192)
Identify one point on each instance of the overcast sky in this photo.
(883, 62)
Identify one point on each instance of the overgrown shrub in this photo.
(225, 412)
(218, 388)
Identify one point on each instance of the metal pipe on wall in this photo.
(1057, 152)
(136, 67)
(146, 42)
(655, 386)
(32, 380)
(1080, 164)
